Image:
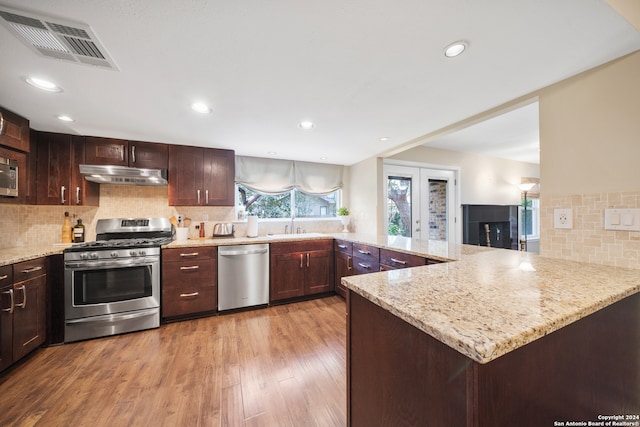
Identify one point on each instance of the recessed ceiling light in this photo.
(384, 138)
(306, 125)
(323, 158)
(65, 118)
(271, 153)
(455, 49)
(43, 84)
(201, 107)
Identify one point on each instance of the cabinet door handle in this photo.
(192, 254)
(77, 195)
(32, 269)
(62, 190)
(4, 277)
(133, 153)
(191, 267)
(364, 265)
(364, 252)
(12, 305)
(122, 153)
(1, 123)
(307, 259)
(301, 257)
(206, 197)
(24, 297)
(198, 191)
(397, 261)
(192, 294)
(349, 263)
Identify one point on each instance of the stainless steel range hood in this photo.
(107, 174)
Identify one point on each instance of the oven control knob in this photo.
(94, 255)
(114, 254)
(142, 253)
(84, 256)
(132, 253)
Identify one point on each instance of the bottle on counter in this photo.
(66, 229)
(78, 232)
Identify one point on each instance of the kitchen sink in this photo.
(296, 236)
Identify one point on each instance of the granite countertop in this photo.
(492, 302)
(26, 253)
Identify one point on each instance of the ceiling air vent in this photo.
(56, 38)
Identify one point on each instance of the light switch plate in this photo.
(622, 219)
(563, 218)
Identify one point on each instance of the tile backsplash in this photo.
(588, 241)
(29, 225)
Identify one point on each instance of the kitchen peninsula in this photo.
(497, 338)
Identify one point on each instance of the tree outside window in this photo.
(285, 205)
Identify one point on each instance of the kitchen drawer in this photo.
(197, 271)
(366, 252)
(343, 246)
(187, 299)
(6, 275)
(29, 269)
(188, 254)
(396, 260)
(365, 266)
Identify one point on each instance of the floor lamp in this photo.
(525, 187)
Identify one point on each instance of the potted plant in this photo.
(343, 213)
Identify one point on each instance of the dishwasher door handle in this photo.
(245, 252)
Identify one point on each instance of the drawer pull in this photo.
(342, 246)
(192, 294)
(4, 277)
(192, 254)
(191, 267)
(364, 265)
(397, 261)
(32, 269)
(12, 305)
(364, 252)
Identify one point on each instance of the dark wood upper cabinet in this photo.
(150, 155)
(58, 175)
(201, 176)
(15, 130)
(106, 151)
(120, 152)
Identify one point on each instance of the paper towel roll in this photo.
(252, 226)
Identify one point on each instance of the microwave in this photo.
(8, 177)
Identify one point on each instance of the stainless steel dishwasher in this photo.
(243, 276)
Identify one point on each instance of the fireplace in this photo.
(490, 225)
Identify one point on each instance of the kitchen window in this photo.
(275, 188)
(532, 219)
(292, 203)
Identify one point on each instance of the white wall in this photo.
(483, 180)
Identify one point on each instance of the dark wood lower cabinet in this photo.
(22, 310)
(189, 281)
(398, 375)
(300, 268)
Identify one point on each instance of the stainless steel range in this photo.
(112, 285)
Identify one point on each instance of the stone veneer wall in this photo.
(437, 210)
(588, 241)
(29, 225)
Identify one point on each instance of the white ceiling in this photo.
(513, 135)
(360, 69)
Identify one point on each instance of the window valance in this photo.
(275, 176)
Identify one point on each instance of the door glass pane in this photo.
(399, 206)
(437, 209)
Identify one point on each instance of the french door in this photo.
(420, 202)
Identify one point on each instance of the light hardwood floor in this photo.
(279, 366)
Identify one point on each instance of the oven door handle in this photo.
(97, 265)
(113, 317)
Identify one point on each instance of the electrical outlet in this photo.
(563, 218)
